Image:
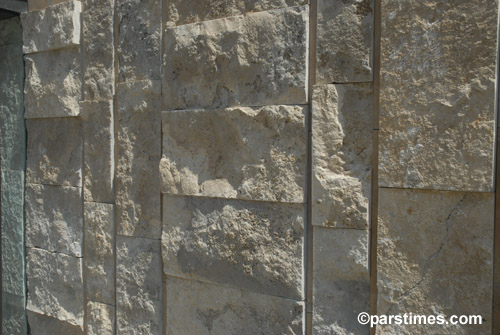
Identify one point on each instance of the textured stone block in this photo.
(242, 152)
(139, 150)
(138, 286)
(341, 280)
(198, 308)
(46, 325)
(435, 256)
(100, 319)
(54, 152)
(251, 60)
(34, 5)
(11, 32)
(99, 254)
(54, 218)
(13, 315)
(342, 150)
(55, 286)
(344, 41)
(437, 94)
(139, 39)
(98, 149)
(257, 246)
(53, 84)
(55, 27)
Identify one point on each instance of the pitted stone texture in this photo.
(99, 255)
(100, 319)
(54, 218)
(344, 41)
(98, 52)
(53, 84)
(197, 308)
(435, 256)
(55, 285)
(13, 314)
(139, 39)
(98, 149)
(45, 325)
(257, 246)
(242, 152)
(341, 280)
(251, 60)
(139, 150)
(342, 150)
(11, 32)
(138, 286)
(437, 94)
(54, 152)
(55, 27)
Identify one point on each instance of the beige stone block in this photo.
(100, 319)
(46, 325)
(34, 5)
(249, 60)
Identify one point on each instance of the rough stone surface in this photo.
(341, 280)
(13, 315)
(197, 308)
(437, 94)
(54, 218)
(34, 5)
(54, 152)
(344, 41)
(99, 254)
(55, 285)
(53, 84)
(435, 256)
(98, 149)
(242, 152)
(100, 319)
(55, 27)
(45, 325)
(342, 150)
(255, 245)
(251, 60)
(11, 32)
(138, 286)
(139, 150)
(139, 39)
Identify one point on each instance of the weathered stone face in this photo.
(55, 27)
(53, 84)
(242, 152)
(100, 319)
(434, 256)
(13, 314)
(54, 218)
(437, 94)
(198, 308)
(45, 325)
(252, 60)
(11, 32)
(256, 246)
(342, 150)
(344, 41)
(54, 152)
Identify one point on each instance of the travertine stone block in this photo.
(437, 94)
(198, 308)
(54, 218)
(344, 41)
(139, 39)
(256, 246)
(138, 286)
(242, 152)
(53, 84)
(55, 27)
(99, 252)
(11, 32)
(98, 149)
(46, 325)
(139, 150)
(341, 280)
(54, 152)
(100, 319)
(435, 256)
(251, 60)
(55, 285)
(342, 150)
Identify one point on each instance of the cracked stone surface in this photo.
(100, 319)
(46, 325)
(248, 60)
(257, 246)
(437, 94)
(197, 308)
(435, 256)
(342, 150)
(243, 152)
